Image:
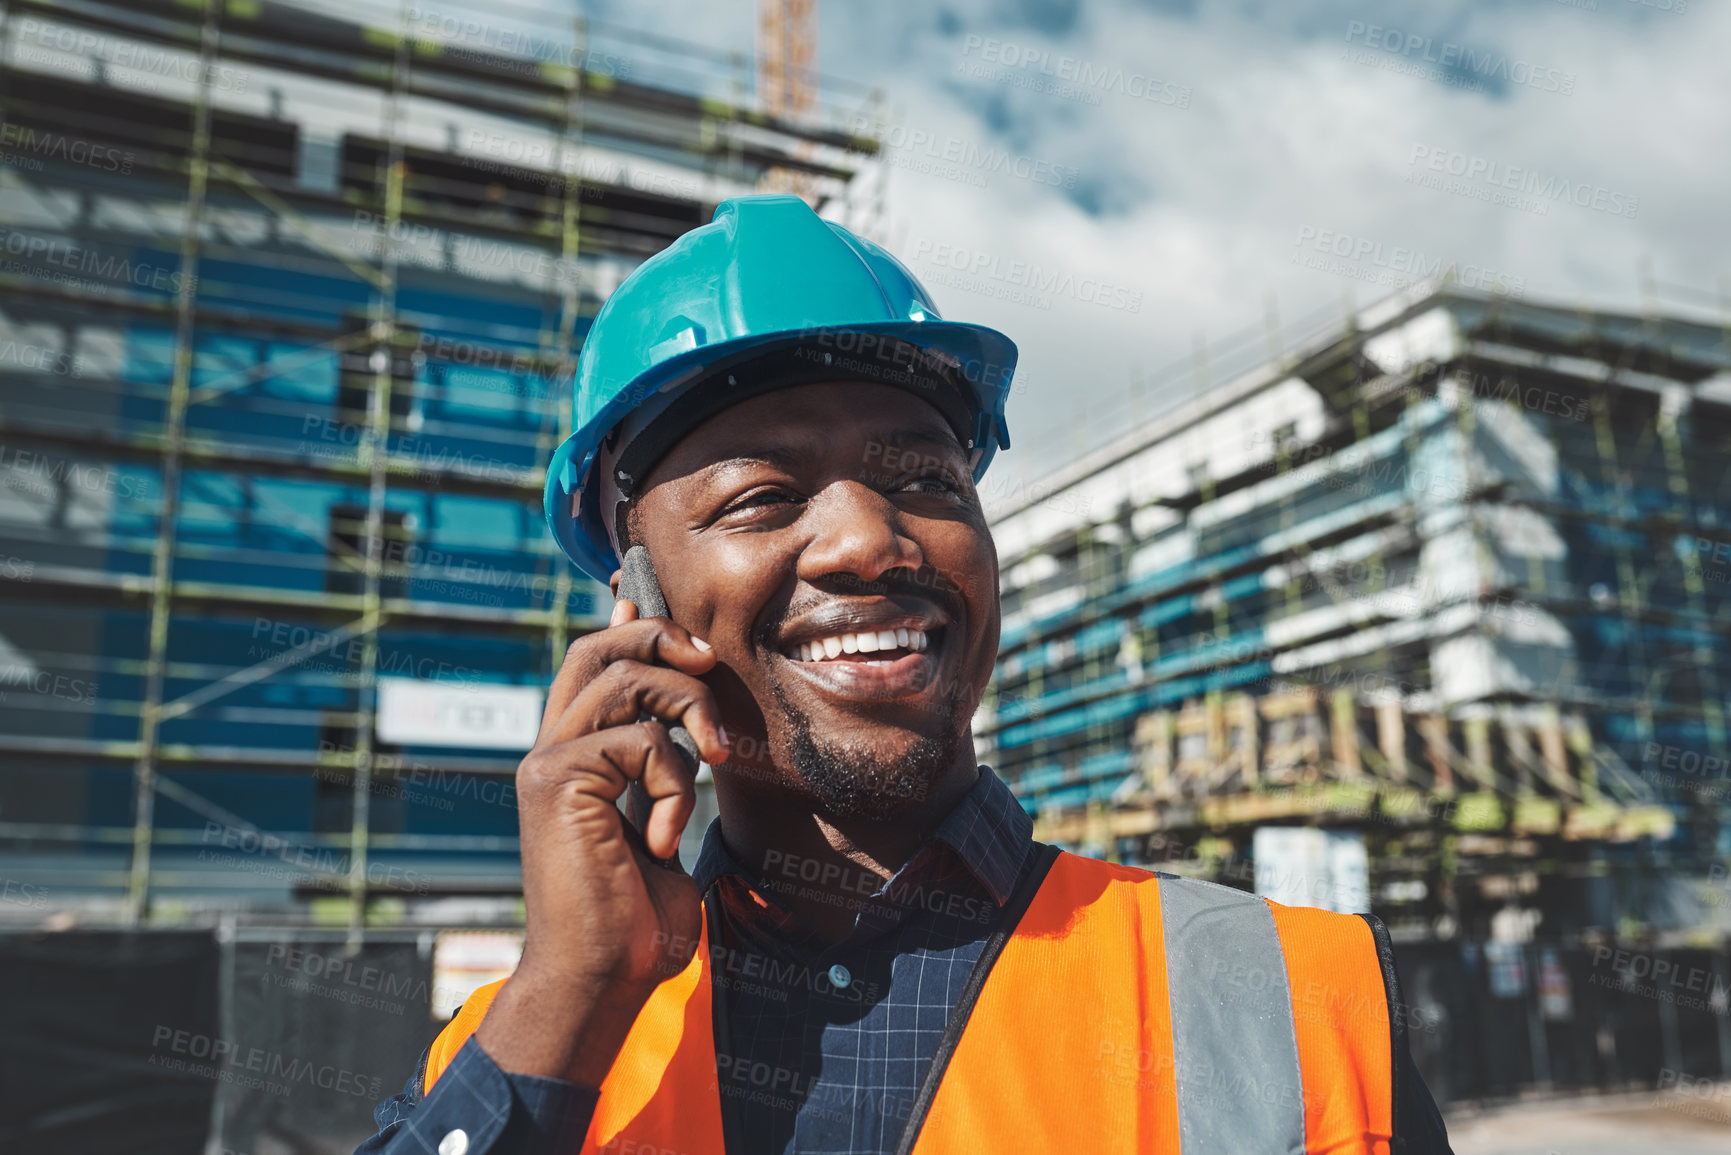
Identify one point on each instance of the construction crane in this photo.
(787, 77)
(787, 57)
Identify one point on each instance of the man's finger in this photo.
(626, 690)
(652, 641)
(645, 753)
(672, 793)
(601, 766)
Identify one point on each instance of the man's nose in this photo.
(858, 532)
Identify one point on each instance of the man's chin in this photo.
(845, 785)
(869, 777)
(838, 782)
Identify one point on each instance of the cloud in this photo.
(1190, 157)
(1294, 125)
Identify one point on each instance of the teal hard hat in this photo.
(737, 306)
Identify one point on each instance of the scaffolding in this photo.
(1452, 573)
(289, 309)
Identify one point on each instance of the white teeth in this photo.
(868, 642)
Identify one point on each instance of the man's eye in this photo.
(762, 498)
(931, 483)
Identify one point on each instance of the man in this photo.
(872, 954)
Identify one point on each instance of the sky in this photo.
(1128, 187)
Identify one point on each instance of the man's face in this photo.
(828, 542)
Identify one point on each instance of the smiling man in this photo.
(871, 954)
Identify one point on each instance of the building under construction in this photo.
(1430, 616)
(290, 306)
(290, 301)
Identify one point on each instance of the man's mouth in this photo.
(868, 654)
(873, 647)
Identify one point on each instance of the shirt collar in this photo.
(988, 830)
(990, 833)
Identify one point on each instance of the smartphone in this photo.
(639, 585)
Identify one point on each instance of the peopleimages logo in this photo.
(530, 47)
(1364, 258)
(217, 1058)
(49, 474)
(1071, 76)
(903, 145)
(1021, 275)
(174, 63)
(58, 146)
(1477, 170)
(78, 260)
(1456, 64)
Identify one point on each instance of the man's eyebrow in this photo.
(783, 456)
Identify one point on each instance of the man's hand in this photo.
(601, 913)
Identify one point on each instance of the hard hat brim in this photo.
(979, 359)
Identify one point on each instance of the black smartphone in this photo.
(639, 585)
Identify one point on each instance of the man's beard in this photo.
(855, 783)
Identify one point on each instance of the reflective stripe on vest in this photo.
(1128, 1010)
(1231, 1012)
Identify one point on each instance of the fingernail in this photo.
(618, 613)
(700, 643)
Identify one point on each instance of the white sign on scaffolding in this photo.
(418, 712)
(464, 961)
(1304, 866)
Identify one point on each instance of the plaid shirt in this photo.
(821, 1067)
(813, 1066)
(817, 1060)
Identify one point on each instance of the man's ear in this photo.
(613, 582)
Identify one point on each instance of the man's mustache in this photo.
(925, 585)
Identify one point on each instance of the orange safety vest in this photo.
(1127, 1010)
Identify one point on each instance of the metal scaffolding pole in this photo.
(375, 459)
(570, 305)
(174, 432)
(1676, 467)
(1632, 599)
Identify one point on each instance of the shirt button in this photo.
(840, 976)
(454, 1143)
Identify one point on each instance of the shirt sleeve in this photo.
(477, 1109)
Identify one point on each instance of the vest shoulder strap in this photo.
(1348, 1019)
(663, 1085)
(1161, 1013)
(463, 1024)
(1149, 1011)
(1071, 1034)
